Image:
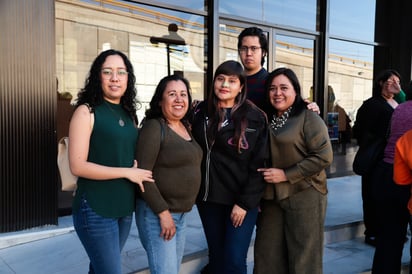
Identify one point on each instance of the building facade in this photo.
(46, 47)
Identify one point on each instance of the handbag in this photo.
(368, 156)
(69, 181)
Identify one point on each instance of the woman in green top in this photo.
(103, 138)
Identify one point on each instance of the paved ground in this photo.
(56, 249)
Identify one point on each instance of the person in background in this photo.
(166, 147)
(289, 229)
(391, 199)
(372, 122)
(344, 128)
(402, 173)
(232, 132)
(103, 136)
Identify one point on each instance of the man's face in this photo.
(251, 54)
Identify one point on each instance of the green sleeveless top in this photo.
(111, 145)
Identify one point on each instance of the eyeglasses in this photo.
(108, 73)
(245, 49)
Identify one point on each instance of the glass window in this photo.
(353, 19)
(296, 54)
(350, 73)
(350, 70)
(228, 43)
(188, 4)
(295, 13)
(82, 31)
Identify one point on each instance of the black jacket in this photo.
(372, 120)
(230, 177)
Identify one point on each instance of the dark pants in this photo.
(228, 245)
(289, 234)
(392, 219)
(410, 246)
(369, 206)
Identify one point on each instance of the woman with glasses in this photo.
(103, 136)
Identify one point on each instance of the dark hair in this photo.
(92, 93)
(299, 104)
(254, 31)
(239, 110)
(155, 110)
(382, 77)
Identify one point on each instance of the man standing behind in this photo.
(253, 48)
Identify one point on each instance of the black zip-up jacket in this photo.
(230, 177)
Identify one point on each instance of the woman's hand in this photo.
(237, 216)
(138, 175)
(273, 175)
(167, 225)
(312, 106)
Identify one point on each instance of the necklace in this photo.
(121, 122)
(278, 122)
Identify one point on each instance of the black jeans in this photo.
(369, 206)
(392, 218)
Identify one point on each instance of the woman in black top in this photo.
(233, 134)
(372, 123)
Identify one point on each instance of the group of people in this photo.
(385, 118)
(253, 153)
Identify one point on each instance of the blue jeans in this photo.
(228, 245)
(164, 257)
(103, 238)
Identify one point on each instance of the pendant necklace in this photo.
(121, 122)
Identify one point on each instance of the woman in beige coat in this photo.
(289, 235)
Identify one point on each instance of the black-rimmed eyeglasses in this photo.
(245, 49)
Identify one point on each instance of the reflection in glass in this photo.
(228, 43)
(88, 29)
(294, 13)
(296, 54)
(199, 5)
(353, 19)
(350, 71)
